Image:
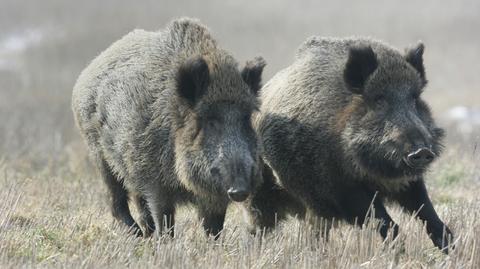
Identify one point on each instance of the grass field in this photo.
(53, 206)
(58, 217)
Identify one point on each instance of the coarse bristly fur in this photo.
(337, 126)
(167, 117)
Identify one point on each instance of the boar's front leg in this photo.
(270, 204)
(213, 218)
(162, 208)
(415, 199)
(357, 204)
(146, 220)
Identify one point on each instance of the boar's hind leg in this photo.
(146, 220)
(357, 204)
(415, 199)
(119, 195)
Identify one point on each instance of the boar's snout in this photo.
(236, 175)
(420, 157)
(238, 194)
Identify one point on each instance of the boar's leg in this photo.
(146, 220)
(358, 204)
(322, 211)
(169, 220)
(415, 199)
(320, 224)
(119, 196)
(213, 218)
(162, 209)
(270, 204)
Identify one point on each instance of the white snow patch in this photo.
(17, 42)
(14, 44)
(464, 119)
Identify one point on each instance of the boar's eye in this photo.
(212, 122)
(379, 100)
(246, 118)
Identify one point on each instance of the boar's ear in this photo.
(361, 63)
(252, 73)
(414, 56)
(193, 78)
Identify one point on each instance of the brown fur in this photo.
(354, 107)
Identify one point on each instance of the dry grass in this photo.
(53, 207)
(59, 218)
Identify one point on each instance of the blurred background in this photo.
(45, 44)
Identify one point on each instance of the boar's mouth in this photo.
(408, 163)
(413, 169)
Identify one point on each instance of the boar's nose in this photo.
(420, 157)
(238, 194)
